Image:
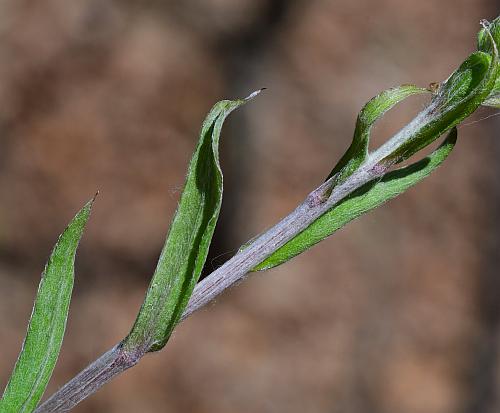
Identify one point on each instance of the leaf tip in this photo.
(88, 206)
(254, 94)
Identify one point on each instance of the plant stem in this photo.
(89, 380)
(117, 360)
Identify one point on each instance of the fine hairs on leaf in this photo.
(359, 182)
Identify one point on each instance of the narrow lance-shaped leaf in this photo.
(186, 247)
(371, 112)
(44, 338)
(368, 197)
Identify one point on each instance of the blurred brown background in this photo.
(398, 312)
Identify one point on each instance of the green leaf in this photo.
(371, 112)
(44, 338)
(366, 198)
(357, 152)
(460, 95)
(186, 247)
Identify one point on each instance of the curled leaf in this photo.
(186, 247)
(460, 95)
(371, 112)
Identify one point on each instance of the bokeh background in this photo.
(398, 312)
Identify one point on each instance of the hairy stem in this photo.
(89, 380)
(117, 360)
(313, 207)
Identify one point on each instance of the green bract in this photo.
(47, 324)
(186, 247)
